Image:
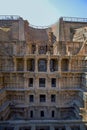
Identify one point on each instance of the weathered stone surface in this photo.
(43, 72)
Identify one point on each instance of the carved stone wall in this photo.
(37, 63)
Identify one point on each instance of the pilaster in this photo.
(59, 65)
(36, 64)
(15, 64)
(25, 64)
(37, 49)
(48, 65)
(69, 65)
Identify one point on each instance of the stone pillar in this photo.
(57, 103)
(37, 50)
(48, 82)
(48, 97)
(52, 127)
(59, 65)
(26, 98)
(67, 127)
(15, 49)
(33, 127)
(36, 97)
(26, 112)
(48, 65)
(36, 64)
(69, 65)
(15, 64)
(25, 82)
(29, 48)
(21, 30)
(59, 83)
(17, 85)
(25, 64)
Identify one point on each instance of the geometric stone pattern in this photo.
(43, 75)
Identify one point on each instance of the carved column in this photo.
(36, 64)
(30, 48)
(48, 82)
(48, 65)
(17, 86)
(25, 81)
(36, 97)
(25, 64)
(69, 65)
(36, 81)
(57, 81)
(59, 65)
(15, 49)
(37, 49)
(15, 64)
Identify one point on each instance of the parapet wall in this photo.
(11, 28)
(67, 28)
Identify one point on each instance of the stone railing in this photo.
(74, 19)
(9, 17)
